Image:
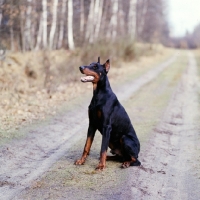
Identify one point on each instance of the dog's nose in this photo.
(81, 68)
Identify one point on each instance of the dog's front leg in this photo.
(88, 144)
(104, 146)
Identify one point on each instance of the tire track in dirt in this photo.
(128, 89)
(22, 161)
(171, 166)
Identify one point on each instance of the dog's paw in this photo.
(125, 165)
(100, 167)
(79, 162)
(131, 163)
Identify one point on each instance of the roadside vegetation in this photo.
(42, 44)
(35, 85)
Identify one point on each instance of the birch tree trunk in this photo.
(112, 32)
(94, 20)
(70, 25)
(27, 33)
(11, 38)
(132, 19)
(34, 25)
(98, 16)
(44, 23)
(22, 30)
(11, 23)
(104, 24)
(141, 16)
(61, 31)
(121, 19)
(82, 16)
(39, 35)
(53, 26)
(1, 3)
(89, 28)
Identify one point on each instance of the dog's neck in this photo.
(101, 87)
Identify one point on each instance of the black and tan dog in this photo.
(107, 115)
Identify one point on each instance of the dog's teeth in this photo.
(87, 78)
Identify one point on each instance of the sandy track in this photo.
(25, 160)
(173, 151)
(22, 161)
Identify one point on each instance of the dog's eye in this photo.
(95, 67)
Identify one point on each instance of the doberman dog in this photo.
(107, 115)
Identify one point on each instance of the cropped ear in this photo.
(106, 66)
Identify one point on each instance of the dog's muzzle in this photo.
(81, 69)
(87, 78)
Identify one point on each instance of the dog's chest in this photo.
(95, 113)
(99, 114)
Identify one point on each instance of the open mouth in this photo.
(87, 79)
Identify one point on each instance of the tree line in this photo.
(190, 40)
(27, 25)
(193, 38)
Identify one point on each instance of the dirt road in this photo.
(163, 104)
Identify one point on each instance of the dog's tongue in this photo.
(87, 78)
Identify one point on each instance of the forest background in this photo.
(42, 43)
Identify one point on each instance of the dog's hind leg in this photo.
(132, 162)
(113, 158)
(131, 149)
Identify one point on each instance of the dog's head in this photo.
(95, 72)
